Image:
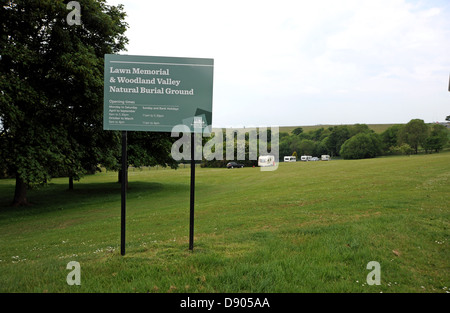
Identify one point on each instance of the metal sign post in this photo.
(191, 213)
(124, 192)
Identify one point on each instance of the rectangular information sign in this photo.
(149, 93)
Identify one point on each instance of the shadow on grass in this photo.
(55, 196)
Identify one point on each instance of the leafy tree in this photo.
(319, 134)
(288, 144)
(321, 148)
(389, 137)
(414, 133)
(307, 147)
(359, 128)
(284, 146)
(297, 131)
(51, 77)
(338, 135)
(147, 149)
(294, 144)
(361, 146)
(437, 139)
(281, 136)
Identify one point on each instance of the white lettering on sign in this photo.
(138, 71)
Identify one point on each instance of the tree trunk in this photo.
(70, 183)
(20, 193)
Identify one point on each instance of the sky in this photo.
(298, 63)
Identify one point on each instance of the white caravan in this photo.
(306, 158)
(266, 160)
(290, 159)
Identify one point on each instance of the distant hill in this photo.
(378, 128)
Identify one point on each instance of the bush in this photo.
(403, 149)
(361, 146)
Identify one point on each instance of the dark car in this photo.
(234, 164)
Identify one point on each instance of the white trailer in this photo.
(290, 159)
(266, 160)
(325, 157)
(306, 158)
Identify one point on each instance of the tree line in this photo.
(348, 142)
(359, 141)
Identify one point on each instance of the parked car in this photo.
(234, 164)
(314, 159)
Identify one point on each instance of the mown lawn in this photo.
(306, 227)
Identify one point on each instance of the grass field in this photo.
(306, 227)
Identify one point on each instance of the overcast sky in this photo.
(291, 63)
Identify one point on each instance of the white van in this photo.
(266, 160)
(290, 159)
(325, 157)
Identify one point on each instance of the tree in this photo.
(51, 77)
(285, 146)
(337, 137)
(414, 133)
(288, 144)
(359, 128)
(437, 139)
(307, 147)
(147, 149)
(361, 146)
(321, 148)
(297, 131)
(319, 134)
(389, 137)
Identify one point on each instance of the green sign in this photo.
(147, 93)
